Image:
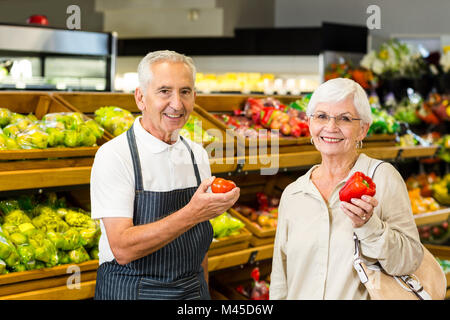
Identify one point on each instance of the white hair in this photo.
(144, 70)
(339, 89)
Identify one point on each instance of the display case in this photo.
(43, 58)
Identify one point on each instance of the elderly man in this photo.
(149, 187)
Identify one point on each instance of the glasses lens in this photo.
(343, 120)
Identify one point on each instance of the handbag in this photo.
(428, 282)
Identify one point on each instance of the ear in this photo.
(139, 98)
(364, 129)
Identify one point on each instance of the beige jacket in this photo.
(313, 252)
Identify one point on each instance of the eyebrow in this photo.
(171, 88)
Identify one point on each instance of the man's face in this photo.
(168, 101)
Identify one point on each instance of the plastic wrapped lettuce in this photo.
(3, 267)
(114, 119)
(55, 137)
(27, 255)
(32, 139)
(16, 217)
(89, 237)
(78, 219)
(45, 250)
(5, 247)
(94, 253)
(96, 129)
(78, 255)
(225, 225)
(5, 117)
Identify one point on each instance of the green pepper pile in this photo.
(66, 129)
(225, 225)
(39, 232)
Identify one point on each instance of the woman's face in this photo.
(336, 136)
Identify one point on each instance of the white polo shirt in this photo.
(164, 167)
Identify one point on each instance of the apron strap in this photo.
(194, 163)
(135, 158)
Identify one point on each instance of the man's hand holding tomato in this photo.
(208, 205)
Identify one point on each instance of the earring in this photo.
(359, 144)
(312, 141)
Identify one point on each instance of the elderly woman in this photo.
(314, 247)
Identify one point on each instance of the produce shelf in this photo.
(230, 243)
(40, 104)
(37, 284)
(237, 258)
(42, 178)
(432, 217)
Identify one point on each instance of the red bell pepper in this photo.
(356, 186)
(263, 200)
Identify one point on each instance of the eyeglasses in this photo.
(341, 120)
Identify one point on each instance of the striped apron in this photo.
(172, 272)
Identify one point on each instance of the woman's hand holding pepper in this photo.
(360, 210)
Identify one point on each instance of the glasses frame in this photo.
(313, 116)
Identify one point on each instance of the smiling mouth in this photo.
(331, 140)
(174, 116)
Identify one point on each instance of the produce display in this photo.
(42, 231)
(114, 119)
(364, 77)
(225, 225)
(437, 233)
(66, 129)
(444, 151)
(266, 215)
(257, 290)
(441, 190)
(194, 131)
(421, 193)
(383, 123)
(267, 114)
(117, 120)
(357, 186)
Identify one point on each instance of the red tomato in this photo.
(221, 185)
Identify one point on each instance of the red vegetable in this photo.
(221, 185)
(356, 186)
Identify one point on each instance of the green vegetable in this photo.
(2, 267)
(55, 137)
(78, 255)
(71, 138)
(224, 225)
(63, 257)
(18, 238)
(94, 253)
(88, 237)
(16, 217)
(26, 253)
(5, 117)
(5, 247)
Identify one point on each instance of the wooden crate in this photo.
(226, 281)
(88, 103)
(230, 243)
(41, 103)
(227, 103)
(250, 185)
(38, 284)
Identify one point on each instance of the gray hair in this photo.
(338, 89)
(144, 71)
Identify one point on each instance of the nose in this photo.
(332, 123)
(176, 101)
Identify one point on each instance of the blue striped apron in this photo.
(172, 272)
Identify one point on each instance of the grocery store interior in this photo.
(67, 81)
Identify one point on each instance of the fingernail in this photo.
(365, 198)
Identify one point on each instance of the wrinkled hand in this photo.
(207, 205)
(360, 210)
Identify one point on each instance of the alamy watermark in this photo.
(374, 20)
(73, 22)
